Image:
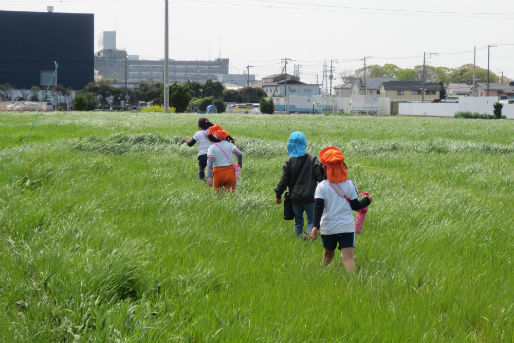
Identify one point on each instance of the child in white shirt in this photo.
(203, 144)
(334, 200)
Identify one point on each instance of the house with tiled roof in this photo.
(504, 92)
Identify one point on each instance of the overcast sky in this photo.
(262, 32)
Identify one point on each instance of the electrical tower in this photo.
(324, 79)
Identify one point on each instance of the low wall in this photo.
(465, 104)
(22, 106)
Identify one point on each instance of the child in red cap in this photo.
(220, 168)
(334, 200)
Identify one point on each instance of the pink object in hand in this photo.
(359, 220)
(361, 216)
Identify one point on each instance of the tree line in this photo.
(183, 97)
(444, 75)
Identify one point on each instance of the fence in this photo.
(465, 104)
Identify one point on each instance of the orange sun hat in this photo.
(333, 159)
(218, 132)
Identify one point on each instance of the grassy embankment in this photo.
(108, 234)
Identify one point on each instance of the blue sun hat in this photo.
(296, 144)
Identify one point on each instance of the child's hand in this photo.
(187, 139)
(209, 181)
(314, 233)
(278, 200)
(370, 198)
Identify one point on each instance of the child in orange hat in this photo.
(334, 200)
(220, 168)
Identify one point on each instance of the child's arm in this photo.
(210, 162)
(357, 204)
(319, 204)
(190, 142)
(239, 156)
(282, 184)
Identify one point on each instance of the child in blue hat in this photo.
(300, 175)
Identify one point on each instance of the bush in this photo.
(220, 105)
(180, 96)
(498, 110)
(155, 108)
(470, 115)
(267, 106)
(202, 103)
(84, 102)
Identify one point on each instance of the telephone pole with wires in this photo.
(331, 75)
(248, 75)
(430, 54)
(166, 60)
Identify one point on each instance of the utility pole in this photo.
(166, 60)
(331, 77)
(364, 79)
(424, 72)
(248, 75)
(488, 58)
(474, 70)
(126, 76)
(324, 83)
(285, 61)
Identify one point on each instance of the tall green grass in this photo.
(108, 235)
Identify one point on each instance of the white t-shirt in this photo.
(220, 160)
(203, 141)
(337, 214)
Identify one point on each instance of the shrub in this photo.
(156, 108)
(180, 95)
(267, 106)
(220, 105)
(84, 102)
(202, 103)
(498, 110)
(470, 115)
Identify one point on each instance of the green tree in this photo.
(34, 93)
(407, 75)
(6, 91)
(252, 94)
(214, 89)
(196, 88)
(84, 102)
(464, 74)
(220, 105)
(267, 106)
(202, 103)
(232, 95)
(498, 110)
(375, 70)
(180, 95)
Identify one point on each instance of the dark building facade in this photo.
(30, 42)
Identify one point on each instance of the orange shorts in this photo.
(224, 177)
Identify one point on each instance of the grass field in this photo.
(108, 236)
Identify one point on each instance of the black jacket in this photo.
(307, 180)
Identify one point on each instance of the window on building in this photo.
(399, 92)
(415, 92)
(430, 92)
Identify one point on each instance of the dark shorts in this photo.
(345, 240)
(202, 161)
